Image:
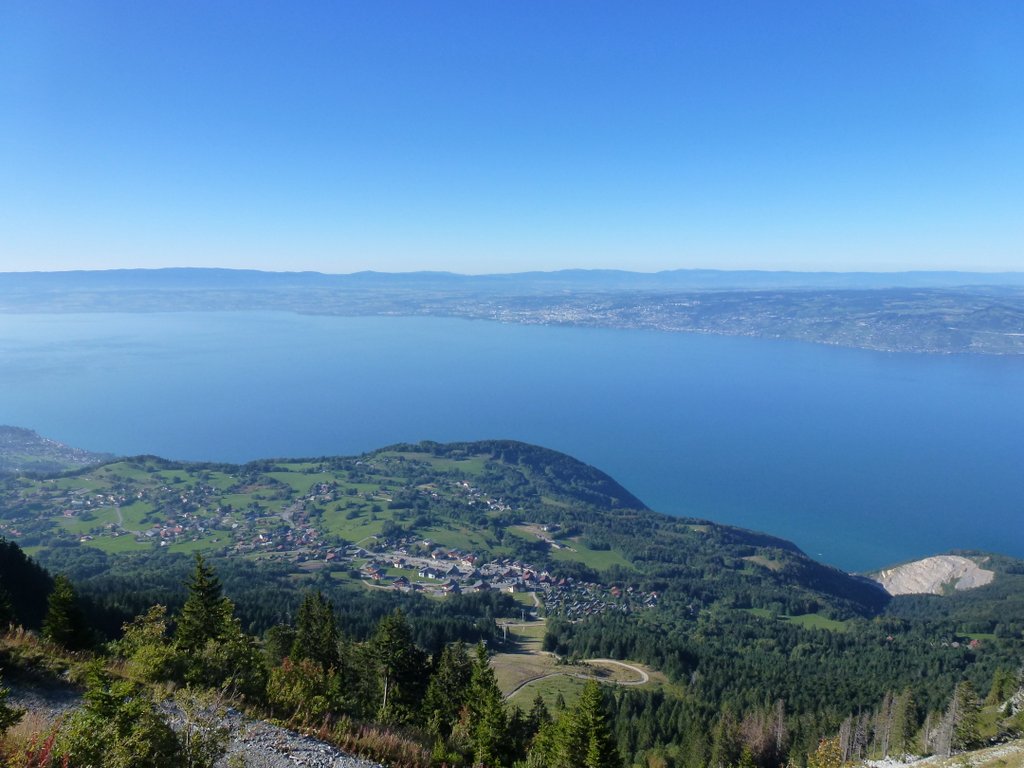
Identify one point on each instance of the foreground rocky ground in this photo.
(253, 743)
(262, 745)
(1008, 755)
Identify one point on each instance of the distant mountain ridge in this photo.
(612, 279)
(925, 312)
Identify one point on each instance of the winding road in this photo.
(643, 676)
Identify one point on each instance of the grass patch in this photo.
(78, 526)
(764, 562)
(472, 465)
(817, 621)
(599, 560)
(133, 515)
(807, 620)
(298, 482)
(549, 689)
(456, 538)
(524, 598)
(335, 522)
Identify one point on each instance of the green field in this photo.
(473, 465)
(807, 620)
(356, 529)
(817, 621)
(459, 537)
(599, 560)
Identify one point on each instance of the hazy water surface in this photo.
(862, 458)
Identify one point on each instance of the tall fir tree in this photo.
(725, 741)
(65, 623)
(316, 632)
(448, 689)
(590, 710)
(904, 724)
(400, 668)
(205, 613)
(965, 717)
(1004, 685)
(539, 716)
(488, 721)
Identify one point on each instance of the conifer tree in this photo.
(448, 689)
(118, 726)
(725, 741)
(904, 723)
(64, 623)
(883, 725)
(590, 711)
(216, 652)
(206, 610)
(278, 642)
(1004, 685)
(488, 720)
(965, 715)
(316, 632)
(400, 668)
(538, 717)
(580, 738)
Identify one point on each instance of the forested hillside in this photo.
(762, 651)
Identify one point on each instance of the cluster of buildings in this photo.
(177, 512)
(452, 571)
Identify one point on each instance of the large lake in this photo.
(862, 458)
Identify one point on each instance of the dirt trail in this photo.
(643, 676)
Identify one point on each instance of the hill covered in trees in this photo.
(759, 644)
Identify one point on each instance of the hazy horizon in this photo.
(429, 270)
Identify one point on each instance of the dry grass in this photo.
(29, 742)
(390, 746)
(34, 656)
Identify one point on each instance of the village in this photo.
(278, 525)
(452, 571)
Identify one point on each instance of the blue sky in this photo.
(506, 136)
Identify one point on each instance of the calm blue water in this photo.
(864, 459)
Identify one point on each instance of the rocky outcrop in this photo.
(933, 575)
